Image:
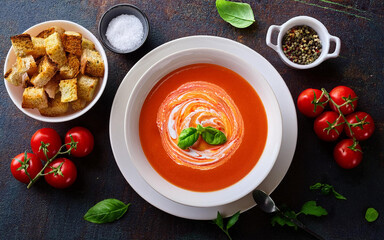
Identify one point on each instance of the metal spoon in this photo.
(266, 204)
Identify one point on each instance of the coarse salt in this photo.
(125, 32)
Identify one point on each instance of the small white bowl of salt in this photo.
(123, 28)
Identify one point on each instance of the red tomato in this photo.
(309, 102)
(328, 126)
(84, 139)
(63, 177)
(33, 166)
(363, 125)
(340, 95)
(48, 136)
(347, 153)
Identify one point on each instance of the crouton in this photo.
(87, 44)
(38, 47)
(92, 63)
(23, 65)
(52, 87)
(55, 50)
(26, 64)
(13, 76)
(55, 107)
(72, 42)
(68, 89)
(47, 32)
(26, 81)
(34, 97)
(22, 44)
(47, 70)
(71, 69)
(78, 104)
(86, 87)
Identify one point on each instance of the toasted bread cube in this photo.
(72, 42)
(71, 69)
(78, 104)
(26, 64)
(87, 44)
(92, 63)
(68, 89)
(34, 97)
(22, 44)
(55, 107)
(26, 81)
(38, 47)
(86, 87)
(20, 70)
(13, 76)
(47, 70)
(47, 32)
(52, 87)
(55, 50)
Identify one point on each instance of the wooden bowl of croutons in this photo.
(55, 71)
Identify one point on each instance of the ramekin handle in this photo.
(271, 29)
(337, 48)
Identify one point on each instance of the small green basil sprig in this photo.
(327, 189)
(220, 223)
(190, 135)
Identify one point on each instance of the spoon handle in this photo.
(302, 226)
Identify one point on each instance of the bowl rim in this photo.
(33, 113)
(176, 194)
(104, 39)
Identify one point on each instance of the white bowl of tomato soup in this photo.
(213, 89)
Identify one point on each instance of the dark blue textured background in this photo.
(47, 213)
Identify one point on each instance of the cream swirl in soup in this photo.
(206, 104)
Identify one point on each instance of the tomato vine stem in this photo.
(44, 147)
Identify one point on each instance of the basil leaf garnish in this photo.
(108, 210)
(187, 137)
(213, 136)
(237, 14)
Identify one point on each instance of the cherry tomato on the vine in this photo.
(84, 139)
(362, 125)
(48, 136)
(328, 126)
(347, 153)
(62, 173)
(309, 102)
(33, 166)
(340, 95)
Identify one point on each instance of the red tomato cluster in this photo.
(329, 125)
(61, 172)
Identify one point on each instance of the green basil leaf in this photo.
(200, 129)
(310, 208)
(233, 220)
(187, 137)
(219, 221)
(338, 195)
(108, 210)
(237, 14)
(371, 215)
(316, 186)
(213, 136)
(326, 189)
(282, 220)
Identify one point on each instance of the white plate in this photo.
(116, 126)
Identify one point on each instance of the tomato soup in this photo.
(209, 95)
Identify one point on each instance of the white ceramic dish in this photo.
(138, 183)
(250, 74)
(16, 92)
(316, 25)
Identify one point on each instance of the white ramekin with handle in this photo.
(316, 25)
